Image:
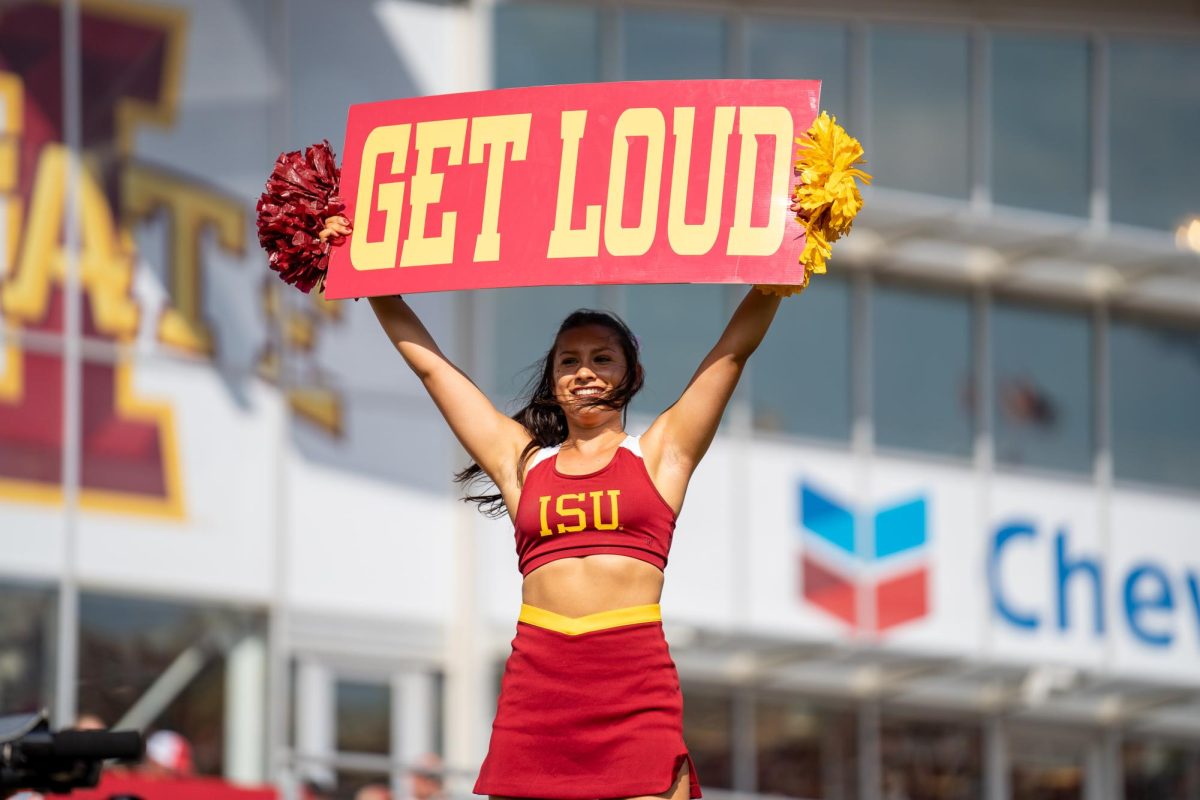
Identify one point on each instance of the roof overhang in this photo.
(1027, 252)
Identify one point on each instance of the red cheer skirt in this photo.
(590, 708)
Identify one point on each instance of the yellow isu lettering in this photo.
(565, 241)
(543, 504)
(420, 250)
(496, 133)
(384, 140)
(753, 121)
(635, 241)
(598, 520)
(578, 513)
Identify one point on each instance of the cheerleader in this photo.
(590, 705)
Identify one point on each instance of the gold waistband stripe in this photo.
(573, 626)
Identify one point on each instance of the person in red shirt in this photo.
(590, 704)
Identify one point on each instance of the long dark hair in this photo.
(541, 414)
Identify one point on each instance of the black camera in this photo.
(35, 758)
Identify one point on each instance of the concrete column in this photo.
(745, 750)
(996, 766)
(245, 711)
(870, 770)
(413, 711)
(316, 721)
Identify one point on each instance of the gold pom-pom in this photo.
(827, 198)
(784, 289)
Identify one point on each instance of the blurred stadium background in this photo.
(947, 545)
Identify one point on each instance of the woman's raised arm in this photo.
(493, 440)
(679, 438)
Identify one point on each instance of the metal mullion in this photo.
(859, 80)
(980, 122)
(1100, 209)
(67, 634)
(862, 437)
(612, 45)
(279, 673)
(737, 61)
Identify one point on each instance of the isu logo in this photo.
(872, 578)
(131, 58)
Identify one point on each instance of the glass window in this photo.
(1157, 771)
(783, 48)
(526, 320)
(127, 645)
(1042, 368)
(804, 751)
(546, 44)
(364, 717)
(921, 370)
(931, 760)
(919, 102)
(1155, 124)
(800, 376)
(1041, 154)
(27, 625)
(676, 326)
(672, 45)
(707, 731)
(1046, 767)
(1155, 379)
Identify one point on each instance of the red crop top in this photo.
(616, 509)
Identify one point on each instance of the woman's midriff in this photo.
(576, 587)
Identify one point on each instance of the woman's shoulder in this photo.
(540, 456)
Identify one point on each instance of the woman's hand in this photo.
(335, 228)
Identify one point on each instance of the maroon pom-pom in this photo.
(300, 195)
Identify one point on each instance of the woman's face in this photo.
(588, 363)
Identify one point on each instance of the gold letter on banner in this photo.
(695, 240)
(635, 241)
(420, 250)
(767, 121)
(386, 139)
(496, 133)
(189, 209)
(566, 242)
(105, 264)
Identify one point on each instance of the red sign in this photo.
(114, 783)
(648, 182)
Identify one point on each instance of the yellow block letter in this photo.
(599, 522)
(496, 133)
(579, 514)
(420, 250)
(769, 121)
(695, 240)
(634, 241)
(564, 241)
(366, 255)
(189, 209)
